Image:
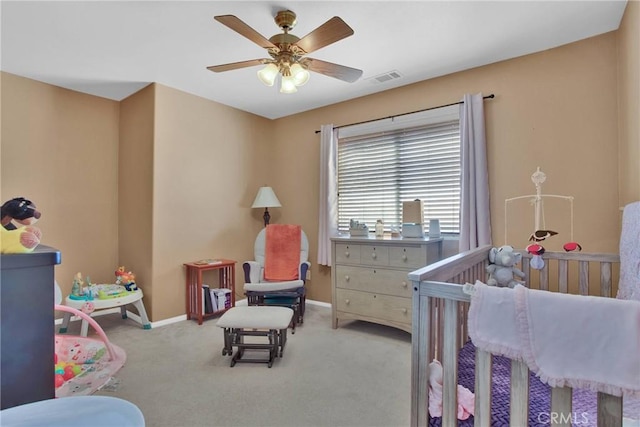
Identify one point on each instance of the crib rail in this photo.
(439, 330)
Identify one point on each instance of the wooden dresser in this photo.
(369, 277)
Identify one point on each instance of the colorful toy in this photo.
(503, 267)
(83, 364)
(107, 291)
(24, 237)
(536, 250)
(541, 233)
(78, 283)
(126, 279)
(88, 307)
(572, 246)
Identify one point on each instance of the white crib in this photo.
(440, 329)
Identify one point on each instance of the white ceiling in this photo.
(113, 48)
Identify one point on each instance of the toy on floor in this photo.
(23, 237)
(82, 364)
(64, 371)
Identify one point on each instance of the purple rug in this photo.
(584, 401)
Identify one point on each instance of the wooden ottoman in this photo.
(256, 321)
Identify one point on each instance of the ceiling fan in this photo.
(288, 52)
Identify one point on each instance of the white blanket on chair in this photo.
(566, 340)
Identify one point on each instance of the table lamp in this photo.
(266, 199)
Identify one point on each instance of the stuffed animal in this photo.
(19, 241)
(20, 210)
(22, 238)
(465, 396)
(126, 279)
(502, 267)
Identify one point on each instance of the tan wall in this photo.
(209, 161)
(60, 149)
(629, 103)
(135, 189)
(555, 109)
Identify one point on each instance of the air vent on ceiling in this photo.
(383, 78)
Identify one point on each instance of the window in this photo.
(381, 165)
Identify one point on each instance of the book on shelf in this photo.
(221, 298)
(208, 261)
(214, 299)
(206, 299)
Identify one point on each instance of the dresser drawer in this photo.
(347, 253)
(374, 255)
(376, 306)
(376, 280)
(409, 257)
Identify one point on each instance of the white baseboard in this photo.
(168, 321)
(163, 322)
(319, 303)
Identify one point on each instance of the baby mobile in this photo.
(541, 232)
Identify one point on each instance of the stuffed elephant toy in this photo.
(502, 267)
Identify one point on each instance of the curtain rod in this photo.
(410, 112)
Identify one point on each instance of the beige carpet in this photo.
(356, 375)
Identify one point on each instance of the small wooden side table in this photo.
(227, 280)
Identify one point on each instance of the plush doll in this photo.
(24, 237)
(126, 279)
(20, 210)
(502, 267)
(466, 397)
(19, 241)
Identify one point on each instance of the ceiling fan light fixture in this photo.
(288, 52)
(268, 74)
(288, 84)
(300, 75)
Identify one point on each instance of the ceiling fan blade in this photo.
(236, 65)
(340, 72)
(333, 30)
(243, 29)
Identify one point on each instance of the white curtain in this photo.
(475, 219)
(328, 203)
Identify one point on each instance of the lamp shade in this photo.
(266, 198)
(268, 74)
(300, 75)
(288, 85)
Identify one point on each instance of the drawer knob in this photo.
(374, 256)
(404, 257)
(347, 301)
(404, 310)
(346, 254)
(347, 278)
(404, 284)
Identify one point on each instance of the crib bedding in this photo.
(584, 401)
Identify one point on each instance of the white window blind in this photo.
(380, 170)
